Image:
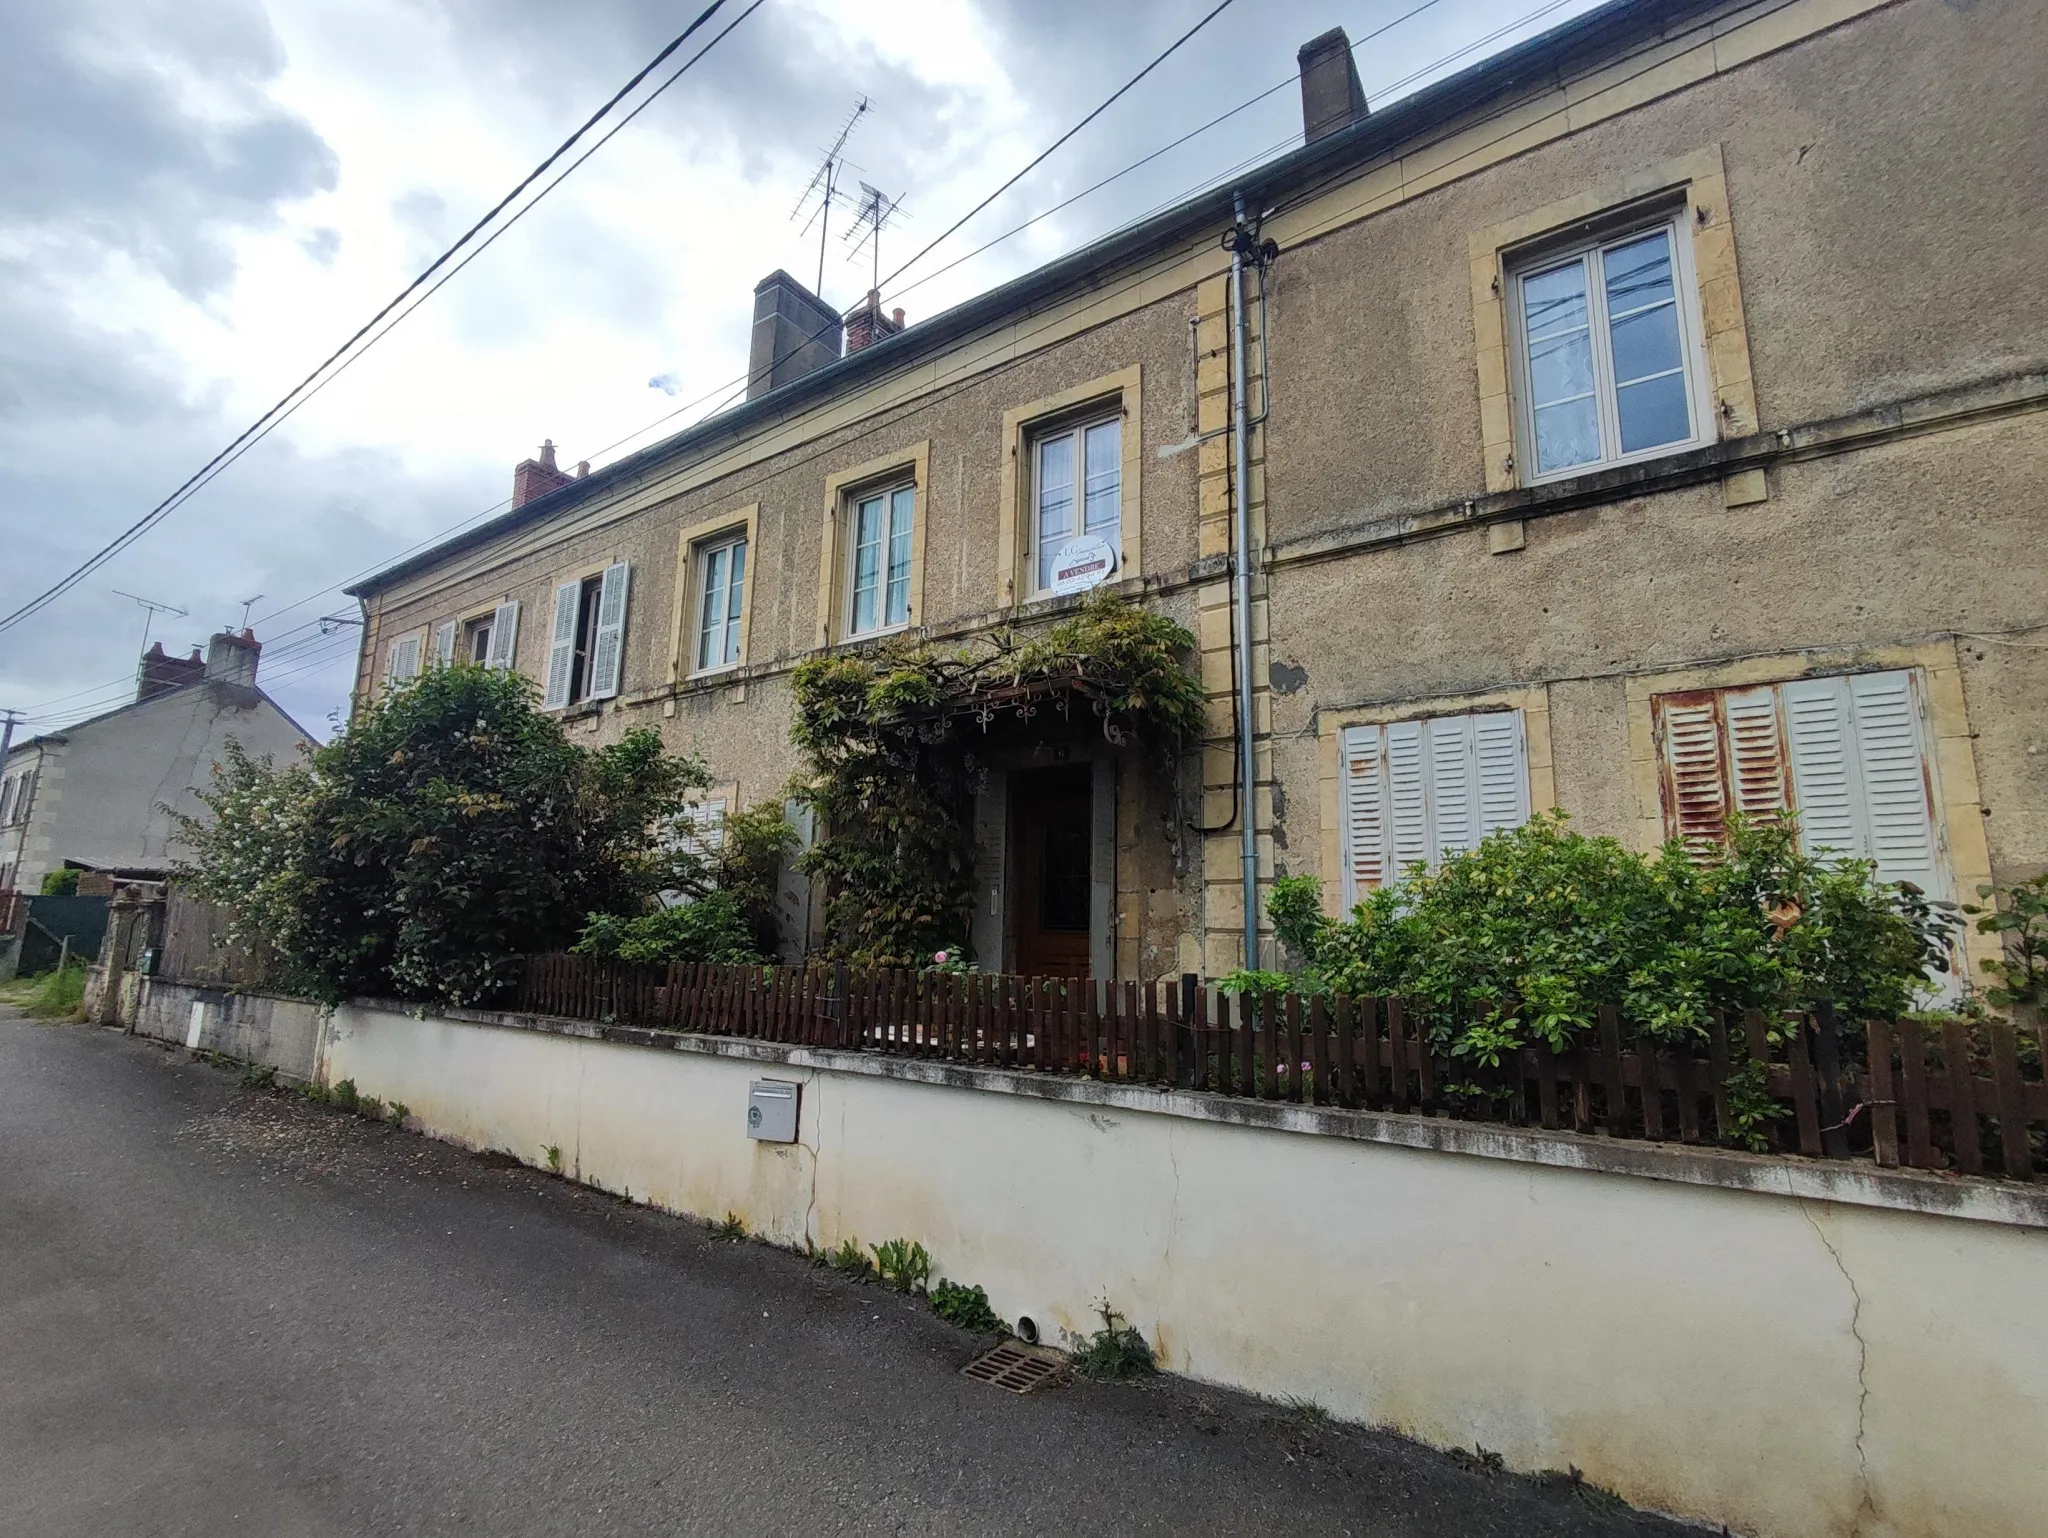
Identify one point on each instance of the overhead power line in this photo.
(284, 404)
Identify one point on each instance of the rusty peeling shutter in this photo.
(1694, 773)
(1756, 752)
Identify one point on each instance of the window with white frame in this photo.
(1077, 474)
(1850, 754)
(882, 526)
(7, 799)
(721, 601)
(1412, 791)
(1608, 349)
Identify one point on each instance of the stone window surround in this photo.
(1014, 515)
(1532, 700)
(742, 521)
(834, 558)
(1958, 802)
(1700, 181)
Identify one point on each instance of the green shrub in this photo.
(449, 831)
(966, 1307)
(1524, 938)
(1115, 1351)
(58, 994)
(2018, 915)
(59, 883)
(711, 928)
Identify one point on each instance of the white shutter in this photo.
(1365, 811)
(404, 663)
(607, 647)
(562, 646)
(1453, 794)
(1407, 797)
(1756, 752)
(1501, 750)
(1825, 784)
(504, 635)
(1897, 800)
(444, 642)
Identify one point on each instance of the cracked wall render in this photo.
(1709, 1352)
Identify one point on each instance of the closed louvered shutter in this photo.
(1453, 787)
(404, 663)
(444, 642)
(1825, 784)
(562, 646)
(1500, 748)
(504, 635)
(1891, 742)
(607, 646)
(1414, 791)
(1364, 795)
(1755, 753)
(1407, 797)
(1695, 775)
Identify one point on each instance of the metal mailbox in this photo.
(771, 1110)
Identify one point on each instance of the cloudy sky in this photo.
(200, 199)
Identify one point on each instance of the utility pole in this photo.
(8, 718)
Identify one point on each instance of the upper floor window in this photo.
(721, 604)
(586, 648)
(402, 662)
(1413, 791)
(1607, 341)
(7, 800)
(1076, 489)
(878, 587)
(1850, 754)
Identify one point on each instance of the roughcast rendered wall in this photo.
(1787, 1367)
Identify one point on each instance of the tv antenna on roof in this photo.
(826, 186)
(153, 609)
(247, 605)
(876, 210)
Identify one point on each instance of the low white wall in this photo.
(262, 1028)
(1787, 1366)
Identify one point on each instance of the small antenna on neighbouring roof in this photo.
(247, 605)
(875, 211)
(152, 609)
(825, 187)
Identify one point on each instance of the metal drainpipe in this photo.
(1241, 589)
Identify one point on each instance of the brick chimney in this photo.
(1331, 97)
(533, 478)
(231, 658)
(160, 674)
(866, 324)
(795, 333)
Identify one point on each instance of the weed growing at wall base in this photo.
(967, 1307)
(1114, 1352)
(57, 995)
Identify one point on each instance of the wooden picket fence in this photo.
(1961, 1096)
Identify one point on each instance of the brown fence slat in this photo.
(1804, 1091)
(1546, 1085)
(1239, 1078)
(1719, 1067)
(1685, 1088)
(1397, 1054)
(1320, 1056)
(1347, 1050)
(1914, 1098)
(1649, 1082)
(1616, 1120)
(2012, 1114)
(1884, 1112)
(1960, 1087)
(1295, 1056)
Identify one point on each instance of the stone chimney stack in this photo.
(1331, 97)
(231, 658)
(160, 674)
(533, 478)
(866, 324)
(795, 333)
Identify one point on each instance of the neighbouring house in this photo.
(98, 796)
(1646, 422)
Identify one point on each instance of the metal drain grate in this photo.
(1016, 1367)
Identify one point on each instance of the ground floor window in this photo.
(1413, 791)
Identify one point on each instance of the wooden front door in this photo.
(1052, 835)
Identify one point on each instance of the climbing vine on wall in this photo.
(889, 770)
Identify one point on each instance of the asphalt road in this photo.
(224, 1311)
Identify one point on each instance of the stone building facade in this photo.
(1654, 431)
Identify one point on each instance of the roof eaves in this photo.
(1542, 58)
